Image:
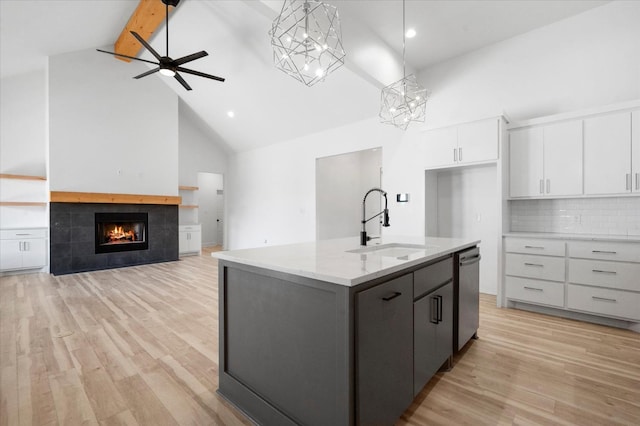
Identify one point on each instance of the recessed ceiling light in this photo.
(411, 33)
(231, 114)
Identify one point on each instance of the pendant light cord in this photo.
(404, 71)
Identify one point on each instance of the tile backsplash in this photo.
(605, 216)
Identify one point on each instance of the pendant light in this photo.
(405, 100)
(306, 40)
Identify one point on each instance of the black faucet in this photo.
(385, 213)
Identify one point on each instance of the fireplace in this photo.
(121, 232)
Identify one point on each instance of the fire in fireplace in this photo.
(121, 232)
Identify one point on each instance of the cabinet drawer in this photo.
(540, 292)
(22, 234)
(618, 275)
(604, 301)
(541, 267)
(534, 246)
(603, 250)
(189, 228)
(432, 276)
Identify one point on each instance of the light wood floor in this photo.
(140, 346)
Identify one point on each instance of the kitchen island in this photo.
(333, 333)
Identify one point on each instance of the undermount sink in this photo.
(392, 249)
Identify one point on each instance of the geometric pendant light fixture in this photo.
(405, 100)
(306, 40)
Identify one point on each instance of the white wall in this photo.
(589, 60)
(110, 132)
(585, 61)
(23, 147)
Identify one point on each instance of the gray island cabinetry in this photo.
(330, 333)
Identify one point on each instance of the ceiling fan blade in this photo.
(189, 58)
(200, 74)
(129, 57)
(146, 45)
(144, 74)
(181, 81)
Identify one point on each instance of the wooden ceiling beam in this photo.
(147, 17)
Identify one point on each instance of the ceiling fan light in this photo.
(167, 72)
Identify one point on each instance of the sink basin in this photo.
(392, 249)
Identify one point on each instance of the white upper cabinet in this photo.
(526, 169)
(546, 161)
(463, 144)
(563, 158)
(607, 154)
(635, 150)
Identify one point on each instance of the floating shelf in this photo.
(22, 203)
(188, 188)
(106, 198)
(188, 206)
(21, 177)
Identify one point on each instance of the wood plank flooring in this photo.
(139, 346)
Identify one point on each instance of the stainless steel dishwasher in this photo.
(466, 297)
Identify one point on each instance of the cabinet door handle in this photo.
(20, 245)
(459, 154)
(627, 181)
(26, 246)
(603, 252)
(534, 247)
(637, 181)
(455, 155)
(393, 296)
(439, 302)
(433, 318)
(539, 265)
(548, 186)
(541, 186)
(604, 299)
(599, 271)
(533, 288)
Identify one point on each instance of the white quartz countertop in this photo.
(331, 261)
(587, 237)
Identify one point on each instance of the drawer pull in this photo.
(604, 299)
(603, 252)
(534, 247)
(604, 272)
(533, 288)
(539, 265)
(23, 235)
(393, 296)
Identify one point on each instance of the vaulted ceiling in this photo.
(270, 106)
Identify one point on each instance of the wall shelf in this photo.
(188, 188)
(106, 198)
(22, 203)
(21, 177)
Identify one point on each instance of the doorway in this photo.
(341, 182)
(211, 208)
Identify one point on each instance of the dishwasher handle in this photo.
(470, 260)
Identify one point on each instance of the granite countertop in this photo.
(587, 237)
(331, 261)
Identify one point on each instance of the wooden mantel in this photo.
(105, 198)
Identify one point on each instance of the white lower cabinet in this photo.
(23, 248)
(189, 239)
(590, 276)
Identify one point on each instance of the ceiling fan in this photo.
(166, 65)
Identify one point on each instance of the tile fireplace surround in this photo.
(72, 240)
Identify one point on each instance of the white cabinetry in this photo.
(23, 248)
(463, 144)
(594, 277)
(635, 150)
(190, 239)
(607, 154)
(546, 160)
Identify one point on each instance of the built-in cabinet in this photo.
(546, 160)
(466, 143)
(189, 240)
(23, 248)
(589, 276)
(592, 156)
